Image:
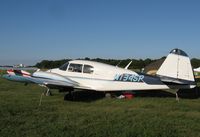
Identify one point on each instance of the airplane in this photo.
(175, 73)
(197, 70)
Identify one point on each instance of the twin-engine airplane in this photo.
(175, 73)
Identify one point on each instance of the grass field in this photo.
(20, 115)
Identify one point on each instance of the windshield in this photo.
(64, 66)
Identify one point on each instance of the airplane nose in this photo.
(6, 76)
(14, 78)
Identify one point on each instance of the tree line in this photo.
(136, 63)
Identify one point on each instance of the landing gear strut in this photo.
(46, 93)
(177, 98)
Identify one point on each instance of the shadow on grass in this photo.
(182, 93)
(189, 93)
(84, 96)
(89, 96)
(154, 93)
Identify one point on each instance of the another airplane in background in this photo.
(175, 73)
(197, 70)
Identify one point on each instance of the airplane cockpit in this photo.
(75, 67)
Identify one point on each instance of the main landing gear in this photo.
(177, 98)
(47, 92)
(69, 96)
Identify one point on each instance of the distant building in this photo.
(19, 66)
(152, 68)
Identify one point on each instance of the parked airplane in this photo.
(197, 70)
(175, 73)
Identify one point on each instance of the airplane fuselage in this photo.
(105, 77)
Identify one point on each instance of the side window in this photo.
(75, 68)
(88, 69)
(64, 66)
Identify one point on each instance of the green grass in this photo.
(21, 116)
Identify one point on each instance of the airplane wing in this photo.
(47, 79)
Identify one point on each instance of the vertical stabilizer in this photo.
(177, 66)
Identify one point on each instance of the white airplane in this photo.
(197, 70)
(175, 73)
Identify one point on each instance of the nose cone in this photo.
(6, 76)
(15, 78)
(10, 77)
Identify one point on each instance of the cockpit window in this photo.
(64, 66)
(88, 69)
(75, 68)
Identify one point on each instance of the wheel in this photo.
(69, 96)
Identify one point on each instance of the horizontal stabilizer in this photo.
(168, 80)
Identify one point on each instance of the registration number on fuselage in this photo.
(129, 78)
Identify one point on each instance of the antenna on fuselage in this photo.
(128, 64)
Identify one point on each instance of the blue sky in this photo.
(31, 31)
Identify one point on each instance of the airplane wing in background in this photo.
(197, 70)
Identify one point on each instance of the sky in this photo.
(35, 30)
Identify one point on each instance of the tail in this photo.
(177, 69)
